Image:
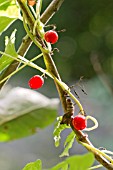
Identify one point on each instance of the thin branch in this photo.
(81, 137)
(25, 45)
(51, 10)
(54, 6)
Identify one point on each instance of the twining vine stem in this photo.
(52, 70)
(81, 137)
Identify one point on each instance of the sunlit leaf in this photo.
(57, 131)
(68, 144)
(23, 112)
(5, 22)
(37, 165)
(4, 4)
(9, 49)
(9, 12)
(9, 8)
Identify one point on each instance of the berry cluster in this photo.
(79, 122)
(37, 81)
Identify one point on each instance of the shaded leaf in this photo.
(9, 49)
(23, 112)
(37, 165)
(80, 162)
(57, 131)
(68, 144)
(61, 166)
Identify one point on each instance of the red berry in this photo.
(51, 36)
(36, 82)
(79, 122)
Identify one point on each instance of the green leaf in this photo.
(23, 112)
(4, 4)
(37, 165)
(5, 22)
(9, 12)
(57, 131)
(61, 166)
(9, 8)
(9, 49)
(68, 144)
(80, 162)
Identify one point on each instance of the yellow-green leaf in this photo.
(37, 165)
(10, 49)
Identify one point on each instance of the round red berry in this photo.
(79, 122)
(36, 82)
(51, 36)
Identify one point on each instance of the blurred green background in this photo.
(85, 49)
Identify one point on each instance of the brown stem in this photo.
(51, 10)
(53, 70)
(81, 137)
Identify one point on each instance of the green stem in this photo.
(51, 10)
(94, 150)
(27, 13)
(95, 167)
(26, 62)
(26, 43)
(38, 7)
(95, 123)
(67, 89)
(31, 64)
(33, 38)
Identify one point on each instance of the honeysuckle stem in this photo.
(95, 123)
(95, 150)
(27, 13)
(26, 43)
(38, 7)
(108, 152)
(33, 38)
(67, 90)
(26, 62)
(31, 64)
(33, 11)
(95, 167)
(51, 10)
